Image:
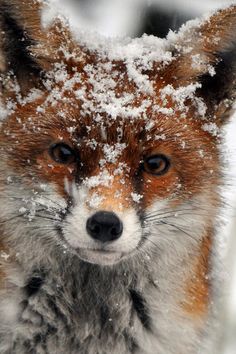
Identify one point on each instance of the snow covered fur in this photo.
(109, 184)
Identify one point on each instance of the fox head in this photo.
(110, 150)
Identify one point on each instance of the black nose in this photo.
(104, 226)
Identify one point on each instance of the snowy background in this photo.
(133, 18)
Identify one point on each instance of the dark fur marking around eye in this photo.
(140, 307)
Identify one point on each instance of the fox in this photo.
(110, 177)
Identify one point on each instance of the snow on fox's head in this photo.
(111, 149)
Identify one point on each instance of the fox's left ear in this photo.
(209, 57)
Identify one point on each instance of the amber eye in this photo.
(156, 164)
(62, 153)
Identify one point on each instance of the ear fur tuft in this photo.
(26, 49)
(220, 89)
(15, 47)
(211, 60)
(16, 38)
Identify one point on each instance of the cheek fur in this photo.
(54, 173)
(157, 187)
(197, 287)
(2, 273)
(188, 176)
(5, 260)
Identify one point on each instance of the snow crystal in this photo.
(103, 133)
(112, 152)
(4, 255)
(104, 178)
(122, 168)
(33, 95)
(71, 129)
(150, 125)
(9, 179)
(211, 128)
(4, 112)
(142, 81)
(22, 210)
(211, 70)
(160, 137)
(136, 197)
(7, 108)
(164, 110)
(140, 52)
(201, 106)
(201, 153)
(95, 200)
(184, 33)
(198, 60)
(181, 94)
(92, 143)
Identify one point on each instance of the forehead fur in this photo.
(91, 90)
(110, 79)
(101, 100)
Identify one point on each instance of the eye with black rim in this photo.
(62, 153)
(157, 165)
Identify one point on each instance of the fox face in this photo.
(108, 188)
(106, 157)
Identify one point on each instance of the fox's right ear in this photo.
(26, 48)
(19, 32)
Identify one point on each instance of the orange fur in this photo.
(197, 288)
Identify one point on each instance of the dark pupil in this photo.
(64, 154)
(156, 163)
